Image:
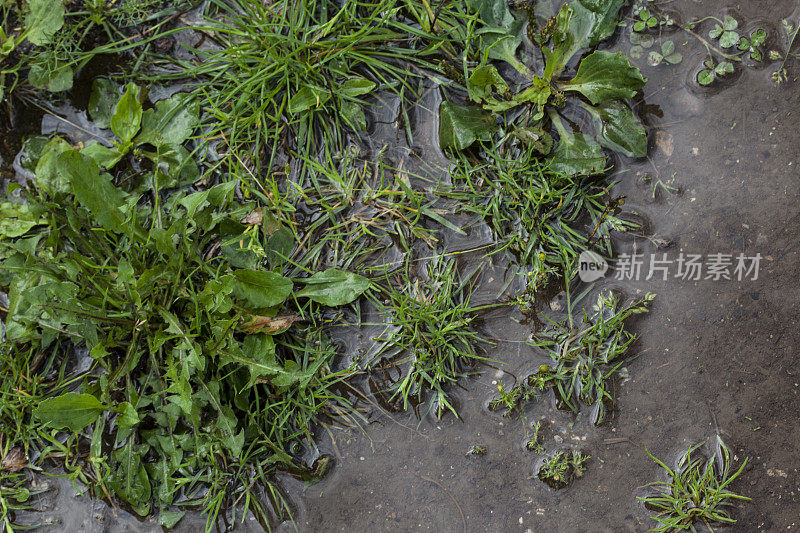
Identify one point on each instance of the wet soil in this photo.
(713, 356)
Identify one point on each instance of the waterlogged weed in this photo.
(752, 44)
(476, 449)
(604, 78)
(696, 491)
(646, 20)
(561, 468)
(533, 438)
(667, 54)
(725, 31)
(430, 337)
(587, 355)
(713, 71)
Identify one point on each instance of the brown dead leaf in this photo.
(14, 461)
(254, 218)
(269, 324)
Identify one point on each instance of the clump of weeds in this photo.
(696, 491)
(430, 335)
(560, 468)
(588, 354)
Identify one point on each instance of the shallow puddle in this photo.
(713, 356)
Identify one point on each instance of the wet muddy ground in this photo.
(714, 356)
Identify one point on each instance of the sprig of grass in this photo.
(430, 336)
(695, 491)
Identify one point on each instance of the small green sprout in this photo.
(534, 443)
(695, 491)
(726, 33)
(647, 20)
(476, 449)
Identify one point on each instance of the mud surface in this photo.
(714, 356)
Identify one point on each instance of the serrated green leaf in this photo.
(93, 190)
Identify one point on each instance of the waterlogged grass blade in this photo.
(71, 411)
(334, 287)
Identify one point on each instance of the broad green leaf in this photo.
(48, 178)
(483, 81)
(171, 122)
(260, 348)
(605, 76)
(292, 374)
(460, 126)
(71, 411)
(169, 519)
(17, 219)
(93, 190)
(593, 21)
(127, 415)
(103, 101)
(53, 77)
(589, 21)
(353, 115)
(619, 129)
(307, 98)
(357, 87)
(578, 154)
(44, 19)
(261, 288)
(102, 155)
(333, 287)
(500, 36)
(127, 115)
(535, 136)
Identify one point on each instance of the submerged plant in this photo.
(587, 355)
(696, 491)
(602, 77)
(561, 468)
(430, 337)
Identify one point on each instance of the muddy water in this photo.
(714, 356)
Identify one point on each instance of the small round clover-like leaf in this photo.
(726, 67)
(730, 23)
(667, 48)
(755, 55)
(705, 77)
(654, 58)
(674, 59)
(636, 52)
(652, 22)
(729, 39)
(715, 32)
(639, 26)
(758, 37)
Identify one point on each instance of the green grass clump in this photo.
(559, 469)
(430, 334)
(695, 491)
(296, 74)
(545, 218)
